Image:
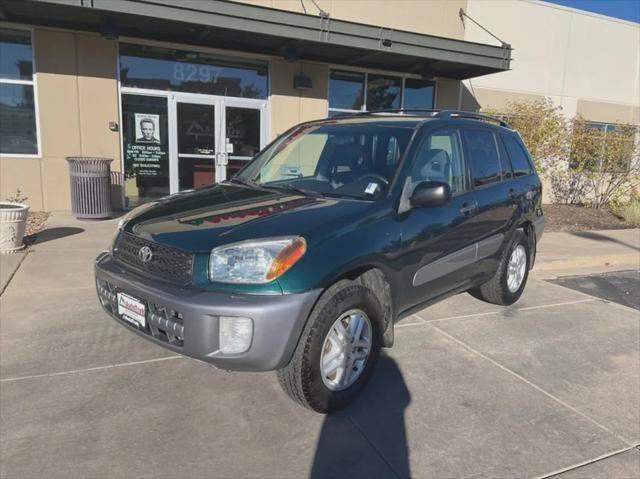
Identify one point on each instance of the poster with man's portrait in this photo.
(147, 128)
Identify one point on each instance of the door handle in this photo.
(531, 193)
(221, 159)
(467, 208)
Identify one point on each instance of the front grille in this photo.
(162, 323)
(168, 263)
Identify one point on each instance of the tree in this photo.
(606, 159)
(543, 129)
(586, 163)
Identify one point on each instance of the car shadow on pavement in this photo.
(375, 419)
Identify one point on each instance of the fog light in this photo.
(235, 334)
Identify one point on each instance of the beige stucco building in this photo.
(180, 94)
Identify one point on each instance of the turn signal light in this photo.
(286, 258)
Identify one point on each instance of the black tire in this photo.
(495, 290)
(301, 378)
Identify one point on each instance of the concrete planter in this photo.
(13, 221)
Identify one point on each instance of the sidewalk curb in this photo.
(586, 264)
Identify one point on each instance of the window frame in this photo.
(34, 83)
(505, 163)
(366, 73)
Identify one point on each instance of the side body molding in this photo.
(458, 259)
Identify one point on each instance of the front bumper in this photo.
(185, 320)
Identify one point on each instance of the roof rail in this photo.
(440, 114)
(473, 116)
(398, 110)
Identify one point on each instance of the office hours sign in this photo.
(146, 151)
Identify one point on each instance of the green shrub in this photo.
(630, 212)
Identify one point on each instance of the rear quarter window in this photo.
(519, 159)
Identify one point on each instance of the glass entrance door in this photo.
(195, 133)
(245, 132)
(211, 138)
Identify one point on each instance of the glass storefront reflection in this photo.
(196, 136)
(146, 148)
(243, 137)
(383, 92)
(346, 90)
(17, 120)
(15, 54)
(196, 131)
(419, 93)
(160, 68)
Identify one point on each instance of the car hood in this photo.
(224, 213)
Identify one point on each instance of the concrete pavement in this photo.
(548, 386)
(562, 254)
(8, 266)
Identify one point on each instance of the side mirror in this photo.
(430, 193)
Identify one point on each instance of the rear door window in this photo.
(519, 159)
(481, 148)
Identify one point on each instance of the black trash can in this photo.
(90, 186)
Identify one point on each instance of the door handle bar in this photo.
(466, 208)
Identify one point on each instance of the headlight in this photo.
(255, 261)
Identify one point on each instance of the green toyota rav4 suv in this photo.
(306, 258)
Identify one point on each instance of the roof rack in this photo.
(398, 110)
(472, 115)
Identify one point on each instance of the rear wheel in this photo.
(508, 283)
(337, 351)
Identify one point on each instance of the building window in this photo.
(419, 93)
(353, 92)
(18, 121)
(346, 91)
(603, 147)
(383, 92)
(161, 68)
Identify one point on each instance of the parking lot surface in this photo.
(550, 385)
(620, 287)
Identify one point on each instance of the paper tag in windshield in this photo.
(371, 188)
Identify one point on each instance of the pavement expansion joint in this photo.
(531, 384)
(587, 462)
(492, 313)
(85, 370)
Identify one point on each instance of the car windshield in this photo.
(352, 159)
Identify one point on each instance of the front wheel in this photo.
(337, 351)
(508, 283)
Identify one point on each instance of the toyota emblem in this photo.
(145, 254)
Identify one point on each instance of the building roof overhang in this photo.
(249, 28)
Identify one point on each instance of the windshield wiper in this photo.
(290, 188)
(283, 187)
(244, 182)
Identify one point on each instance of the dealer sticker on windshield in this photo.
(132, 309)
(371, 188)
